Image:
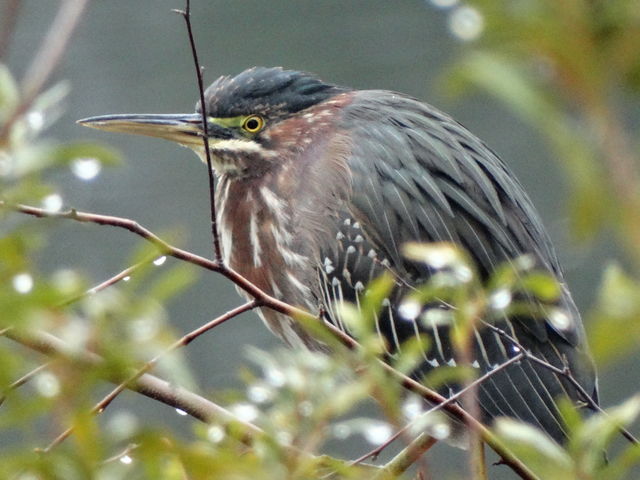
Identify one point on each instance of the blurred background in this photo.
(134, 57)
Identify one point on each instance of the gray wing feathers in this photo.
(417, 175)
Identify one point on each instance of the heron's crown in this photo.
(267, 91)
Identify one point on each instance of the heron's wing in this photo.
(417, 175)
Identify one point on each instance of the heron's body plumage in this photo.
(318, 193)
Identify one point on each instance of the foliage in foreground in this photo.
(305, 403)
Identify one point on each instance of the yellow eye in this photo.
(253, 124)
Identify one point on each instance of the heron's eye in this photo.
(253, 124)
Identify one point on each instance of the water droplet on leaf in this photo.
(413, 407)
(47, 384)
(86, 168)
(245, 411)
(259, 393)
(160, 260)
(560, 319)
(216, 433)
(35, 119)
(22, 282)
(500, 299)
(466, 23)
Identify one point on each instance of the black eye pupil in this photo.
(252, 124)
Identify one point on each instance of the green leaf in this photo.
(504, 78)
(172, 281)
(542, 285)
(614, 330)
(543, 455)
(9, 93)
(599, 430)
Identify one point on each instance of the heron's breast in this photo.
(259, 242)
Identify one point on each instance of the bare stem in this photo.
(148, 385)
(111, 281)
(403, 460)
(186, 14)
(565, 372)
(22, 380)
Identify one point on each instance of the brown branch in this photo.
(453, 398)
(217, 252)
(111, 281)
(403, 460)
(185, 340)
(148, 385)
(22, 380)
(153, 387)
(47, 58)
(305, 318)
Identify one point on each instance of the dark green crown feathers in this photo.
(268, 91)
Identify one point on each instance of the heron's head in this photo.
(254, 119)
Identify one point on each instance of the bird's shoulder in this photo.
(418, 175)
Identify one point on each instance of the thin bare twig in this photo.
(186, 14)
(185, 340)
(373, 454)
(453, 398)
(22, 380)
(47, 58)
(124, 453)
(565, 372)
(127, 272)
(403, 460)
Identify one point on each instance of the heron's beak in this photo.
(185, 129)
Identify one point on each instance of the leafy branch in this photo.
(306, 319)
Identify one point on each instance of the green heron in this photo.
(318, 188)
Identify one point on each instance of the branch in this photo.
(185, 340)
(306, 319)
(111, 281)
(403, 460)
(22, 380)
(164, 248)
(148, 385)
(565, 373)
(186, 14)
(156, 388)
